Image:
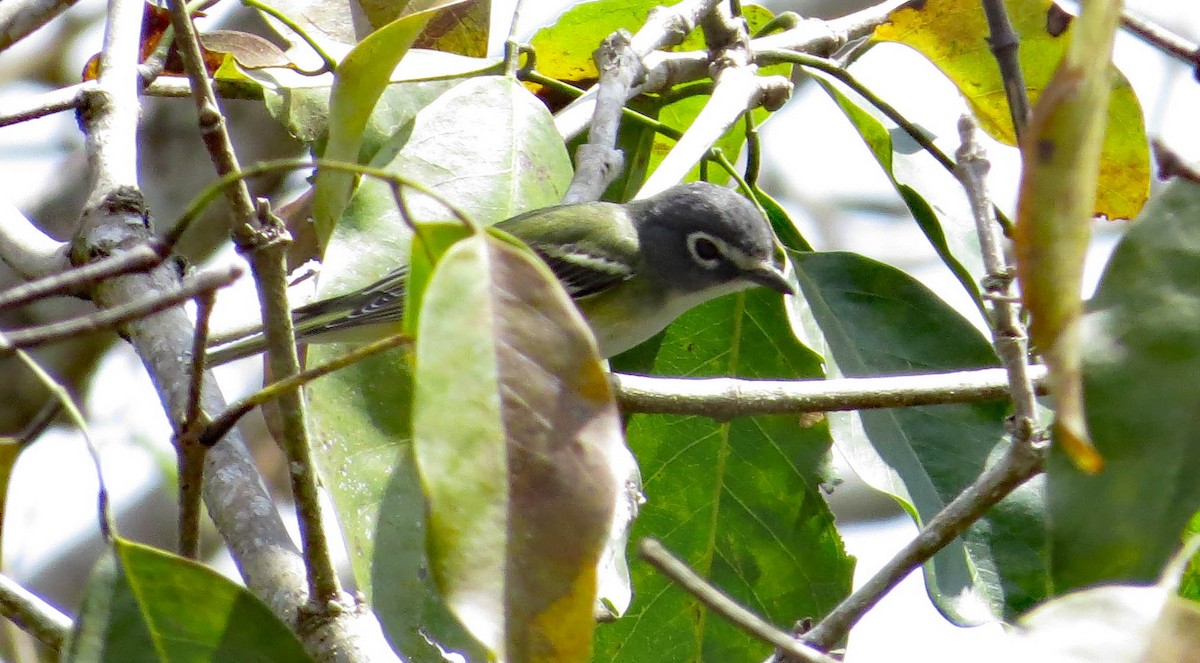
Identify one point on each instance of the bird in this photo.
(632, 268)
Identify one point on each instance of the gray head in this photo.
(704, 236)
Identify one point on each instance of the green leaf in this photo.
(143, 604)
(740, 501)
(879, 321)
(361, 413)
(513, 427)
(361, 417)
(486, 145)
(1141, 361)
(949, 227)
(430, 243)
(953, 35)
(358, 82)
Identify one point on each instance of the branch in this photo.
(33, 615)
(26, 249)
(737, 89)
(1170, 164)
(116, 220)
(31, 107)
(665, 26)
(725, 398)
(1013, 469)
(330, 624)
(19, 18)
(76, 278)
(1008, 333)
(598, 162)
(118, 315)
(1021, 461)
(660, 558)
(1164, 40)
(1004, 43)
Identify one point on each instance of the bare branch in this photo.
(738, 89)
(1004, 43)
(116, 316)
(136, 259)
(996, 483)
(26, 249)
(1164, 40)
(329, 624)
(19, 18)
(1021, 461)
(33, 615)
(47, 103)
(726, 398)
(660, 558)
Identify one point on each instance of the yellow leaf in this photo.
(953, 35)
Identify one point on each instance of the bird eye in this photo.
(704, 250)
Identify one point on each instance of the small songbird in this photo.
(632, 268)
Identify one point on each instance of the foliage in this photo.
(475, 473)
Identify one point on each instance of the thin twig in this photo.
(512, 48)
(115, 316)
(664, 26)
(137, 259)
(738, 89)
(997, 482)
(189, 454)
(1008, 334)
(1170, 164)
(1021, 461)
(1004, 43)
(229, 418)
(32, 107)
(1164, 40)
(261, 236)
(660, 558)
(40, 422)
(725, 398)
(204, 308)
(33, 615)
(839, 72)
(19, 18)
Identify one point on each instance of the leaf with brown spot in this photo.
(517, 437)
(1062, 153)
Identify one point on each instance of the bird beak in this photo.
(771, 276)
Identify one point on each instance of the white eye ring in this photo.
(706, 250)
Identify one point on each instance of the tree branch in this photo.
(665, 26)
(19, 18)
(1021, 461)
(660, 558)
(738, 89)
(1004, 43)
(134, 260)
(1164, 40)
(329, 623)
(26, 249)
(118, 315)
(33, 615)
(598, 162)
(725, 398)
